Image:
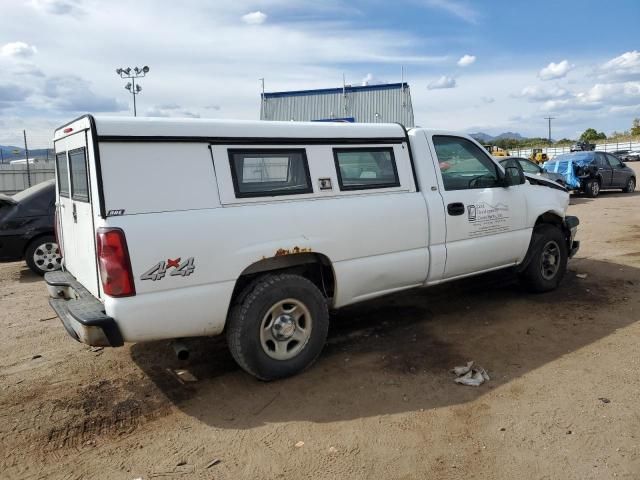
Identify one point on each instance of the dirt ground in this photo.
(563, 400)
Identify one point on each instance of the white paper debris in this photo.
(470, 375)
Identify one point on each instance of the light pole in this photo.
(131, 86)
(549, 118)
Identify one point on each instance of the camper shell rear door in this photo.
(77, 201)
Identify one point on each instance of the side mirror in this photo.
(513, 173)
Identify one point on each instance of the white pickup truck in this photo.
(174, 228)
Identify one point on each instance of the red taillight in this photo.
(68, 130)
(115, 267)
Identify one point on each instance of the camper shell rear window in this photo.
(79, 175)
(269, 172)
(63, 174)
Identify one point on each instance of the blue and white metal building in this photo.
(386, 103)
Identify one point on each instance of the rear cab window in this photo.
(365, 168)
(79, 177)
(63, 174)
(269, 172)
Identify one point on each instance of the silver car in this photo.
(533, 169)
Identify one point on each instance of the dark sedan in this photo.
(26, 228)
(591, 172)
(534, 169)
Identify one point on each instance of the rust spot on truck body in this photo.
(292, 251)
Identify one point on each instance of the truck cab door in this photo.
(485, 221)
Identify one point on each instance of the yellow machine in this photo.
(537, 156)
(497, 151)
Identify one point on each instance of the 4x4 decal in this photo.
(159, 270)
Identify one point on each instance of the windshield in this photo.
(32, 191)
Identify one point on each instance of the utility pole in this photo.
(26, 154)
(131, 86)
(263, 106)
(550, 118)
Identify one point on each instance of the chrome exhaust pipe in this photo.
(182, 351)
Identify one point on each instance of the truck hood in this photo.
(544, 181)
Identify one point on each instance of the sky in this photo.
(490, 66)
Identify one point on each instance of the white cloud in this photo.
(70, 93)
(622, 67)
(57, 7)
(371, 80)
(442, 82)
(171, 110)
(555, 70)
(541, 94)
(254, 18)
(18, 49)
(466, 60)
(456, 8)
(488, 99)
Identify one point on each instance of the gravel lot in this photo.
(563, 400)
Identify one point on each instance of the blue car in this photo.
(591, 172)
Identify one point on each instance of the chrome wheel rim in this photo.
(550, 260)
(595, 188)
(47, 257)
(285, 329)
(632, 185)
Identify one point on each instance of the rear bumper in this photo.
(81, 313)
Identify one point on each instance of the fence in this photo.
(15, 178)
(631, 145)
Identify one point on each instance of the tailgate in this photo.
(77, 204)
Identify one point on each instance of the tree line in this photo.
(590, 135)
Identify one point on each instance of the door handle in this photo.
(456, 208)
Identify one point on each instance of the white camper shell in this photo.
(174, 228)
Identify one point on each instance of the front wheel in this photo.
(547, 259)
(278, 327)
(43, 255)
(592, 188)
(631, 186)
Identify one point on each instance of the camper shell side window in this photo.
(366, 168)
(269, 172)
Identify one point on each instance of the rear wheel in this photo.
(631, 186)
(547, 259)
(278, 327)
(592, 188)
(43, 255)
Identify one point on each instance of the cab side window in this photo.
(614, 161)
(464, 165)
(601, 161)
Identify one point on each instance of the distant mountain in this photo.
(485, 137)
(15, 153)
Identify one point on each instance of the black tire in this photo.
(537, 277)
(631, 185)
(592, 188)
(49, 260)
(254, 306)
